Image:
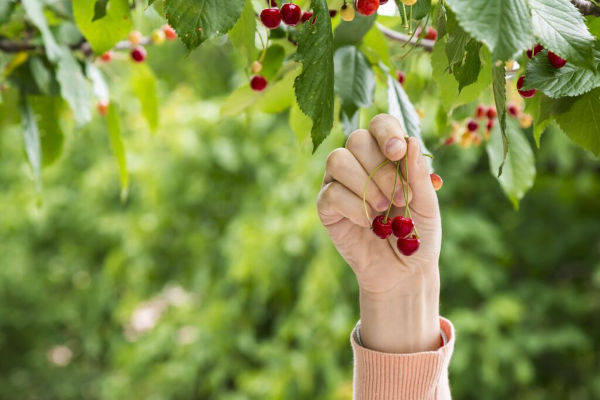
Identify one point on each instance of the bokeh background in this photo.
(215, 280)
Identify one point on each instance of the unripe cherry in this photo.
(170, 33)
(158, 36)
(436, 181)
(106, 57)
(135, 37)
(347, 12)
(138, 53)
(256, 67)
(102, 107)
(409, 2)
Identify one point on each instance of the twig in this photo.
(401, 37)
(10, 46)
(586, 7)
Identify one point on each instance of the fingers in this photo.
(336, 202)
(343, 167)
(424, 199)
(366, 150)
(389, 135)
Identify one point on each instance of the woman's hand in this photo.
(399, 294)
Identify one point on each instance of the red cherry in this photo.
(480, 111)
(102, 107)
(169, 32)
(490, 125)
(536, 49)
(409, 245)
(258, 83)
(106, 57)
(332, 13)
(513, 110)
(436, 181)
(138, 54)
(366, 7)
(472, 126)
(449, 141)
(306, 15)
(555, 60)
(431, 33)
(272, 3)
(525, 93)
(290, 14)
(491, 113)
(401, 77)
(382, 227)
(270, 17)
(382, 2)
(402, 227)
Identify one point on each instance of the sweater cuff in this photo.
(423, 375)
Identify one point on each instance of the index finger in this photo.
(390, 136)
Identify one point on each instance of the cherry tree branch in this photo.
(401, 37)
(586, 7)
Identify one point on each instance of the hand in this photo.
(399, 294)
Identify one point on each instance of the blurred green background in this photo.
(215, 280)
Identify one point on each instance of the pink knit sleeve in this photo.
(418, 376)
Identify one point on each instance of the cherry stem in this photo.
(410, 20)
(367, 185)
(387, 214)
(428, 155)
(407, 208)
(405, 16)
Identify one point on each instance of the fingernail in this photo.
(383, 205)
(399, 197)
(394, 145)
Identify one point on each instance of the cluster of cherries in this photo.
(402, 227)
(554, 59)
(137, 52)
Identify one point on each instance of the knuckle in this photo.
(357, 140)
(336, 159)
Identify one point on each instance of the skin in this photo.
(399, 296)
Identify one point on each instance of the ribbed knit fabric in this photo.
(417, 376)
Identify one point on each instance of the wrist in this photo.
(402, 320)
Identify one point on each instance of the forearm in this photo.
(401, 321)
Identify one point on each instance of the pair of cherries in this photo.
(402, 228)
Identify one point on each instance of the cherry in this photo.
(102, 107)
(490, 125)
(401, 77)
(366, 7)
(170, 33)
(135, 37)
(382, 227)
(290, 14)
(492, 112)
(408, 246)
(513, 110)
(480, 111)
(347, 13)
(158, 36)
(477, 139)
(409, 2)
(332, 13)
(536, 49)
(256, 67)
(258, 83)
(382, 2)
(270, 17)
(525, 93)
(138, 53)
(106, 57)
(472, 126)
(436, 181)
(431, 33)
(555, 60)
(272, 3)
(449, 141)
(402, 226)
(306, 15)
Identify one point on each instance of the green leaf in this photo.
(143, 83)
(199, 20)
(543, 110)
(103, 33)
(569, 80)
(279, 96)
(561, 28)
(6, 8)
(239, 101)
(99, 85)
(100, 9)
(419, 10)
(519, 166)
(35, 13)
(31, 140)
(504, 26)
(74, 88)
(116, 141)
(242, 33)
(47, 110)
(314, 86)
(376, 47)
(468, 72)
(581, 122)
(455, 46)
(354, 80)
(300, 123)
(43, 75)
(402, 108)
(499, 88)
(352, 32)
(273, 61)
